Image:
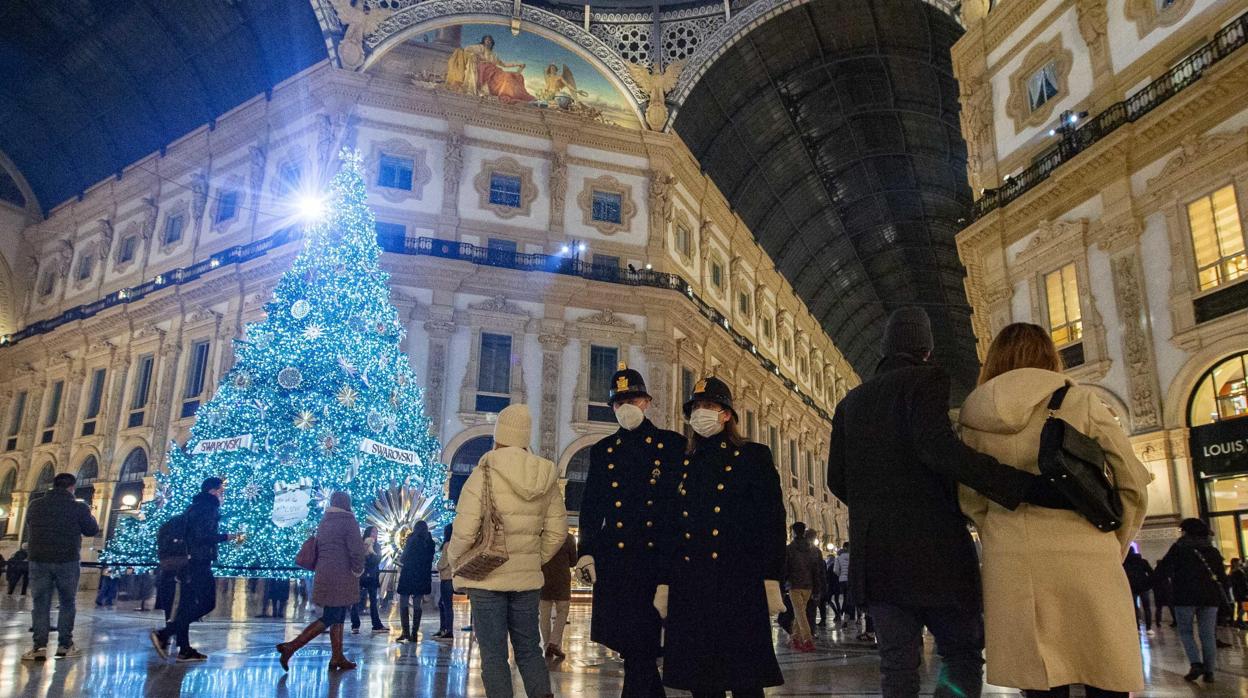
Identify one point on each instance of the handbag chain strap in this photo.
(1208, 569)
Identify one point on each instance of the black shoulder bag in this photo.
(1074, 464)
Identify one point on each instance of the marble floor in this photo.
(118, 661)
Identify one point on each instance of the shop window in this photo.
(602, 365)
(53, 413)
(1221, 394)
(1042, 86)
(494, 373)
(608, 207)
(1217, 238)
(505, 190)
(17, 411)
(1061, 291)
(173, 229)
(142, 388)
(196, 371)
(95, 398)
(395, 172)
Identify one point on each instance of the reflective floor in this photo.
(118, 662)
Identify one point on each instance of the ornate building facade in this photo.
(530, 249)
(1108, 148)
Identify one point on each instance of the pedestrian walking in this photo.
(834, 587)
(18, 570)
(414, 579)
(143, 588)
(1194, 567)
(1238, 579)
(1162, 599)
(803, 569)
(1057, 601)
(894, 460)
(840, 570)
(629, 492)
(556, 598)
(1140, 577)
(722, 575)
(446, 590)
(370, 583)
(523, 493)
(55, 525)
(340, 553)
(106, 594)
(196, 593)
(815, 605)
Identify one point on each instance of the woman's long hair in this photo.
(1020, 345)
(730, 429)
(372, 530)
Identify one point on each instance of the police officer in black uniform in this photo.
(722, 580)
(631, 486)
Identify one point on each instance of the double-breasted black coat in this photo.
(896, 462)
(629, 490)
(729, 518)
(415, 576)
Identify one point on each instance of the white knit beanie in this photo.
(513, 426)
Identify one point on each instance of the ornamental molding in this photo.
(610, 185)
(1053, 237)
(498, 305)
(1016, 106)
(1195, 152)
(1147, 16)
(421, 173)
(1137, 343)
(505, 166)
(606, 319)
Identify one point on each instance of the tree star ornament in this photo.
(305, 420)
(313, 332)
(347, 396)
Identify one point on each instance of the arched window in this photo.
(578, 470)
(46, 476)
(1221, 393)
(87, 474)
(134, 467)
(7, 485)
(464, 460)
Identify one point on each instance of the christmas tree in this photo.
(321, 398)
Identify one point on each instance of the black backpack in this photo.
(171, 547)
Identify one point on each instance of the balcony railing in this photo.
(1074, 141)
(431, 247)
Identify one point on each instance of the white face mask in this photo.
(629, 416)
(706, 422)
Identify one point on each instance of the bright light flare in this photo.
(310, 208)
(129, 500)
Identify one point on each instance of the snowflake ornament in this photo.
(250, 492)
(347, 367)
(329, 443)
(347, 396)
(305, 420)
(313, 333)
(242, 380)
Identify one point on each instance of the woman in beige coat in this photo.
(1058, 609)
(525, 490)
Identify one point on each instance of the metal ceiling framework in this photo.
(833, 130)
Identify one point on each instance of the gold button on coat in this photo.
(619, 504)
(610, 466)
(620, 545)
(615, 484)
(717, 510)
(714, 556)
(619, 524)
(720, 487)
(714, 531)
(649, 440)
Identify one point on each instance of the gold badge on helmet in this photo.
(700, 387)
(621, 383)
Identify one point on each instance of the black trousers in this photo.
(196, 597)
(1143, 602)
(641, 678)
(22, 578)
(748, 693)
(1064, 692)
(959, 634)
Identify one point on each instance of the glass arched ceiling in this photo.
(833, 130)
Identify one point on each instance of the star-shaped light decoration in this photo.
(390, 422)
(305, 420)
(313, 332)
(347, 367)
(251, 491)
(347, 396)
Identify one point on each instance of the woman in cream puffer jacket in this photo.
(1058, 608)
(526, 494)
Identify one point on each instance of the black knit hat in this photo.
(713, 390)
(626, 383)
(909, 331)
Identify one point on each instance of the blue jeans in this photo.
(959, 634)
(1207, 618)
(44, 577)
(368, 594)
(495, 616)
(446, 606)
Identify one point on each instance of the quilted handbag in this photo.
(1075, 465)
(489, 550)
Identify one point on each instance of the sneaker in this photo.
(68, 652)
(1150, 632)
(191, 656)
(355, 631)
(159, 644)
(37, 654)
(1194, 673)
(403, 638)
(381, 631)
(448, 637)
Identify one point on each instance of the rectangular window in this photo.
(494, 371)
(196, 370)
(504, 190)
(1061, 291)
(392, 232)
(142, 387)
(767, 331)
(129, 245)
(95, 399)
(773, 442)
(288, 176)
(743, 303)
(395, 172)
(47, 283)
(684, 241)
(1042, 86)
(602, 363)
(751, 426)
(86, 264)
(1217, 238)
(686, 384)
(788, 348)
(173, 228)
(16, 412)
(793, 481)
(606, 261)
(607, 207)
(810, 474)
(53, 412)
(717, 275)
(227, 206)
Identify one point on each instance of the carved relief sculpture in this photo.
(558, 185)
(1093, 26)
(199, 197)
(360, 20)
(656, 84)
(1137, 344)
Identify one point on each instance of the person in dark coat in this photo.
(721, 577)
(629, 491)
(1161, 600)
(1197, 578)
(1238, 579)
(1140, 577)
(106, 594)
(196, 593)
(415, 579)
(166, 591)
(18, 570)
(895, 461)
(340, 555)
(370, 583)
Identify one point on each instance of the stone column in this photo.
(102, 505)
(164, 406)
(67, 424)
(1137, 340)
(552, 361)
(452, 173)
(17, 516)
(439, 332)
(660, 368)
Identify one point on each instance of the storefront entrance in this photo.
(1218, 442)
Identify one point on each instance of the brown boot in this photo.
(288, 649)
(338, 661)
